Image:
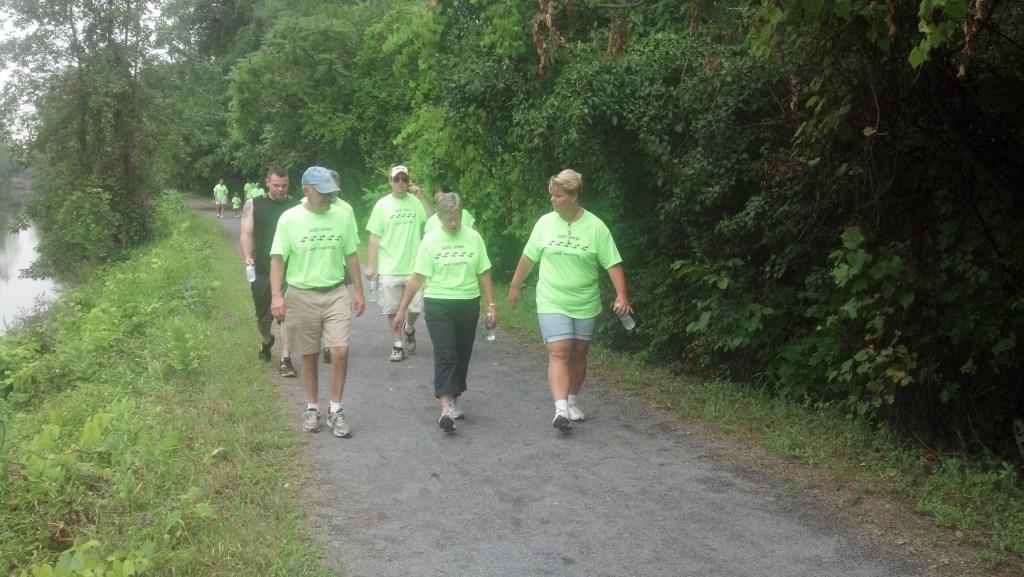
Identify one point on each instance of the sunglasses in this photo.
(401, 178)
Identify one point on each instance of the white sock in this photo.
(314, 406)
(572, 400)
(561, 405)
(398, 344)
(335, 407)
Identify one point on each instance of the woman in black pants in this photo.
(452, 261)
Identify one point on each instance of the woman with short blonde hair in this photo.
(572, 246)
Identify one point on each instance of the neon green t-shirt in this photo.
(220, 192)
(398, 223)
(452, 263)
(571, 257)
(236, 202)
(314, 246)
(257, 191)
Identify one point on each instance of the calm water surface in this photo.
(17, 251)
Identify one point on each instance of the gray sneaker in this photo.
(339, 426)
(286, 369)
(410, 339)
(561, 421)
(397, 354)
(446, 422)
(456, 411)
(311, 421)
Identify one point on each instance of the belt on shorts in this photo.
(324, 289)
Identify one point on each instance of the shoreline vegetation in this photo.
(126, 449)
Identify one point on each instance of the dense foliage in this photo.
(821, 197)
(118, 453)
(83, 73)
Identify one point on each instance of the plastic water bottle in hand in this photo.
(626, 319)
(371, 290)
(489, 325)
(250, 273)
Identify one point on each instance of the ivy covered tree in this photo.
(81, 69)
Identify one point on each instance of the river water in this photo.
(18, 295)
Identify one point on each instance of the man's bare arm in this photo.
(245, 239)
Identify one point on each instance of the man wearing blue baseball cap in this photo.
(313, 240)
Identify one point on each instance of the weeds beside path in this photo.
(141, 437)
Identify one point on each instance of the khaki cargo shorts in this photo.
(390, 291)
(313, 315)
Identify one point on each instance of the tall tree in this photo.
(79, 92)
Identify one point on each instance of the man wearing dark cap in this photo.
(318, 242)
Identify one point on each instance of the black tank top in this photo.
(265, 213)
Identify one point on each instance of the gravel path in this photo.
(506, 495)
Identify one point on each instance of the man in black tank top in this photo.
(259, 221)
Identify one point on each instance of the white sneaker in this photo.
(561, 420)
(456, 411)
(575, 414)
(339, 426)
(311, 421)
(446, 422)
(397, 354)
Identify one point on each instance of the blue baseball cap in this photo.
(319, 178)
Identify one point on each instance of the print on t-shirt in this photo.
(568, 240)
(326, 237)
(454, 254)
(402, 216)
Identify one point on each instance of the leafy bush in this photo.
(794, 201)
(110, 461)
(79, 229)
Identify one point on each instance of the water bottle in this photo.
(371, 290)
(489, 328)
(250, 273)
(626, 319)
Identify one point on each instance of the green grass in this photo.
(981, 501)
(141, 435)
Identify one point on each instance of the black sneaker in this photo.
(286, 369)
(265, 350)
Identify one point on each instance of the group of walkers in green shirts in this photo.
(221, 197)
(308, 277)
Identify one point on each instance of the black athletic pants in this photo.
(452, 326)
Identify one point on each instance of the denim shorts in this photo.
(559, 327)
